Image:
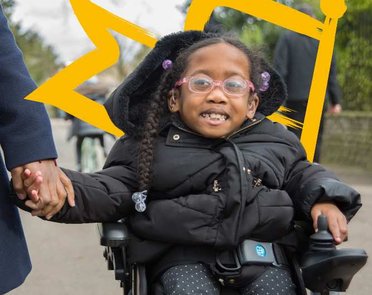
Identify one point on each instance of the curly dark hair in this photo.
(158, 108)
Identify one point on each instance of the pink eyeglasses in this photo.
(204, 84)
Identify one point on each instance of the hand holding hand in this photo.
(337, 222)
(47, 187)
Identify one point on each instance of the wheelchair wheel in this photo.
(92, 155)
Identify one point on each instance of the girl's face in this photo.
(215, 114)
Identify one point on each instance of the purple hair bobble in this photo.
(167, 64)
(265, 76)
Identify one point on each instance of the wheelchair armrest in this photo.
(113, 234)
(331, 270)
(114, 237)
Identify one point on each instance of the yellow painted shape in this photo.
(96, 21)
(59, 91)
(280, 117)
(291, 19)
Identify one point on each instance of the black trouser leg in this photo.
(298, 114)
(79, 142)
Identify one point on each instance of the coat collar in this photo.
(178, 134)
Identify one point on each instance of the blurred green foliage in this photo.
(354, 55)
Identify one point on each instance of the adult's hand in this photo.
(335, 109)
(53, 187)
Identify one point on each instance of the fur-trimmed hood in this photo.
(127, 104)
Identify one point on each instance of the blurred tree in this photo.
(39, 57)
(251, 30)
(354, 48)
(8, 7)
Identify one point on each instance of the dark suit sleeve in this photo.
(333, 88)
(25, 132)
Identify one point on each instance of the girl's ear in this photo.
(252, 106)
(173, 100)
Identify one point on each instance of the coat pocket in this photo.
(275, 214)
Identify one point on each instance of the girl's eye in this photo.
(235, 85)
(200, 83)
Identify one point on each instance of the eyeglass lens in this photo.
(234, 86)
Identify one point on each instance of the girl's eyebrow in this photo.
(228, 73)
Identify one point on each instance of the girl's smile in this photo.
(215, 117)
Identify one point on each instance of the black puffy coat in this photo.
(209, 192)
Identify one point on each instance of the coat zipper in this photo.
(244, 128)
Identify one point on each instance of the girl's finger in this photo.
(26, 174)
(334, 228)
(34, 206)
(30, 179)
(343, 228)
(35, 187)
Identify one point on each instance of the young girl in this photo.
(201, 169)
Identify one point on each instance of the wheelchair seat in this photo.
(324, 268)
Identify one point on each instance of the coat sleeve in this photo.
(308, 183)
(99, 197)
(24, 125)
(104, 196)
(333, 88)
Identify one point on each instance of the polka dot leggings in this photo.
(189, 279)
(274, 281)
(195, 279)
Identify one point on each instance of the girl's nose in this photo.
(217, 95)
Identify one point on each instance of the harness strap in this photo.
(239, 267)
(250, 252)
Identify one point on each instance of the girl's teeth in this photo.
(214, 116)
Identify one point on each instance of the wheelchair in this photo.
(323, 269)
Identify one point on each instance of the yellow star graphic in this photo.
(97, 22)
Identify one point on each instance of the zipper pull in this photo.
(216, 186)
(257, 182)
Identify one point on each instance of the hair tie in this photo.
(265, 76)
(167, 64)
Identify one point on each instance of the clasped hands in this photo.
(45, 186)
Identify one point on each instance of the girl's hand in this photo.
(337, 222)
(42, 204)
(32, 183)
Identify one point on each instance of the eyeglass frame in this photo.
(215, 83)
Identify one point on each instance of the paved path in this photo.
(67, 259)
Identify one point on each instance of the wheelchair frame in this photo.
(324, 271)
